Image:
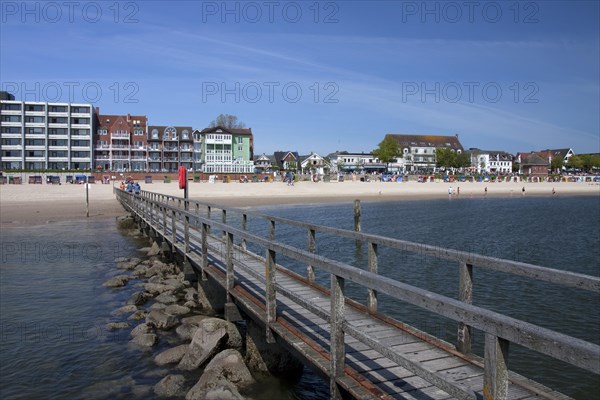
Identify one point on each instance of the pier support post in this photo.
(270, 297)
(357, 215)
(338, 355)
(465, 294)
(495, 380)
(372, 300)
(312, 244)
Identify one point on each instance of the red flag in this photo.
(182, 177)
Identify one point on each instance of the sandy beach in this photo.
(41, 204)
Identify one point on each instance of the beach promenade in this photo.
(39, 204)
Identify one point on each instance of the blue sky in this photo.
(322, 76)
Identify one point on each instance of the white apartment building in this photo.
(46, 136)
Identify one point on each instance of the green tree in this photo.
(575, 161)
(227, 121)
(444, 157)
(387, 151)
(556, 164)
(462, 160)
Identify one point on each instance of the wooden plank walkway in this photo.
(381, 358)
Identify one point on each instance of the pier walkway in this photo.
(363, 353)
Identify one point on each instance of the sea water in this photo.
(54, 310)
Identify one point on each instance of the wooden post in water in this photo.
(495, 379)
(372, 299)
(338, 354)
(465, 294)
(87, 200)
(357, 215)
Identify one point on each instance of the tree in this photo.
(448, 158)
(227, 121)
(462, 160)
(444, 157)
(556, 164)
(388, 151)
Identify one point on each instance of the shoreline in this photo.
(43, 204)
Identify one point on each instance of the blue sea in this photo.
(53, 308)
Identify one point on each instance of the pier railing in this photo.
(188, 222)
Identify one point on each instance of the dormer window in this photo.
(154, 134)
(185, 134)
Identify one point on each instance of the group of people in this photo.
(131, 187)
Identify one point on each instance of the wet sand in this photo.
(40, 204)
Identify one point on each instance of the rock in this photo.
(139, 298)
(139, 272)
(223, 393)
(223, 377)
(175, 309)
(171, 356)
(206, 342)
(217, 388)
(170, 386)
(189, 326)
(154, 250)
(141, 329)
(121, 259)
(111, 326)
(230, 364)
(126, 222)
(166, 298)
(139, 314)
(158, 288)
(191, 294)
(125, 310)
(160, 268)
(161, 320)
(145, 339)
(129, 265)
(158, 306)
(144, 249)
(116, 281)
(191, 304)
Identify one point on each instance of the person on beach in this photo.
(458, 191)
(136, 188)
(450, 191)
(523, 191)
(553, 191)
(485, 194)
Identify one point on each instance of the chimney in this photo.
(128, 117)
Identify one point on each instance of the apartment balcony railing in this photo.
(119, 135)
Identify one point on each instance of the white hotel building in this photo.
(45, 136)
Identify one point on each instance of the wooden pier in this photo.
(363, 353)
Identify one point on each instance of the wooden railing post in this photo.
(372, 300)
(208, 212)
(312, 245)
(338, 356)
(204, 251)
(357, 215)
(173, 229)
(244, 228)
(495, 379)
(164, 210)
(465, 294)
(224, 220)
(271, 229)
(186, 227)
(270, 296)
(230, 279)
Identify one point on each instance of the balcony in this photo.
(119, 135)
(13, 147)
(42, 158)
(12, 158)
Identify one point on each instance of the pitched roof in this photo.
(451, 142)
(280, 156)
(534, 159)
(232, 131)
